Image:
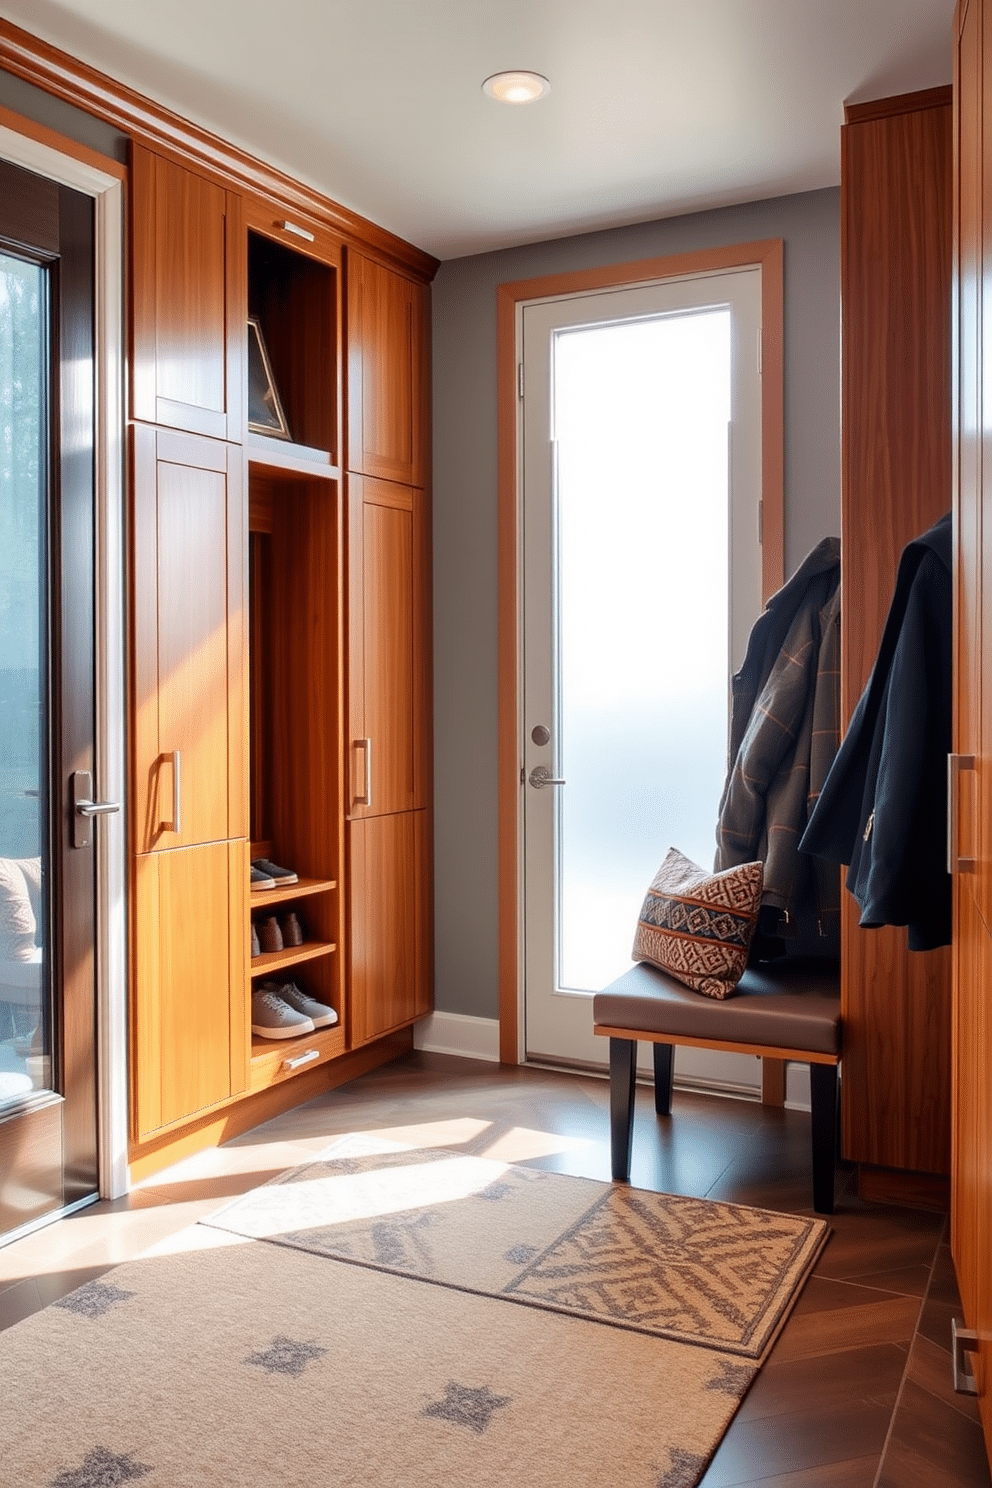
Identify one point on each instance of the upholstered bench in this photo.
(788, 1009)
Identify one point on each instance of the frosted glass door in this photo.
(642, 577)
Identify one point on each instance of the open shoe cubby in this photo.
(296, 728)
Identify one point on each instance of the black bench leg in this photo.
(664, 1072)
(823, 1100)
(623, 1067)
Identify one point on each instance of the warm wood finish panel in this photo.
(188, 290)
(389, 875)
(389, 648)
(896, 274)
(298, 718)
(971, 828)
(189, 640)
(293, 289)
(190, 1021)
(387, 336)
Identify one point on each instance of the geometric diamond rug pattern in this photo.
(714, 1275)
(482, 1327)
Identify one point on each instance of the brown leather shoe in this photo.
(256, 949)
(292, 930)
(269, 934)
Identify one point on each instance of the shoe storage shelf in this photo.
(299, 537)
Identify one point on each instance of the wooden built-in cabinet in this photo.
(189, 640)
(280, 613)
(896, 182)
(389, 869)
(189, 1050)
(388, 370)
(188, 275)
(971, 827)
(388, 694)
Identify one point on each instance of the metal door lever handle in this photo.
(541, 776)
(97, 808)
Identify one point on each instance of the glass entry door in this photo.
(48, 814)
(641, 580)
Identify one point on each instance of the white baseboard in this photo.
(478, 1038)
(797, 1087)
(457, 1033)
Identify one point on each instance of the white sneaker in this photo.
(319, 1013)
(273, 1017)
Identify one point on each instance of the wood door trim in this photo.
(64, 76)
(769, 254)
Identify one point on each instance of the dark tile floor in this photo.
(857, 1390)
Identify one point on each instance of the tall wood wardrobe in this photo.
(971, 827)
(279, 619)
(896, 195)
(280, 641)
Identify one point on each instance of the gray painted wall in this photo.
(465, 516)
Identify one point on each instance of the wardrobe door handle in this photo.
(955, 764)
(175, 825)
(364, 798)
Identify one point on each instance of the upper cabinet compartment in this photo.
(189, 300)
(387, 372)
(292, 339)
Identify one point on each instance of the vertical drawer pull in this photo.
(964, 1341)
(955, 764)
(175, 825)
(364, 797)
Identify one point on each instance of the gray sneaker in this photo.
(273, 1017)
(319, 1013)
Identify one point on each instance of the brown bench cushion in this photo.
(784, 1005)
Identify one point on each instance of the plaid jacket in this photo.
(785, 728)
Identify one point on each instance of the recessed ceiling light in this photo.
(516, 87)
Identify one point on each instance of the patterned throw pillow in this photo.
(697, 926)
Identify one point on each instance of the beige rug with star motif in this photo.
(421, 1319)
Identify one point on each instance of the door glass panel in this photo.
(641, 413)
(25, 1020)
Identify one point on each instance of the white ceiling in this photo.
(657, 106)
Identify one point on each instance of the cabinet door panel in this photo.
(387, 354)
(189, 641)
(189, 300)
(190, 1022)
(390, 648)
(390, 927)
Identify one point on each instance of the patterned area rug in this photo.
(716, 1275)
(222, 1360)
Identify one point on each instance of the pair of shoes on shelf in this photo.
(283, 1010)
(268, 875)
(273, 934)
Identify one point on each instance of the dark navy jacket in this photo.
(883, 807)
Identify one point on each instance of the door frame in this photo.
(35, 148)
(768, 255)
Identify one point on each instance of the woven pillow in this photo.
(697, 926)
(17, 921)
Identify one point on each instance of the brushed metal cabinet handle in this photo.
(364, 797)
(955, 764)
(175, 825)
